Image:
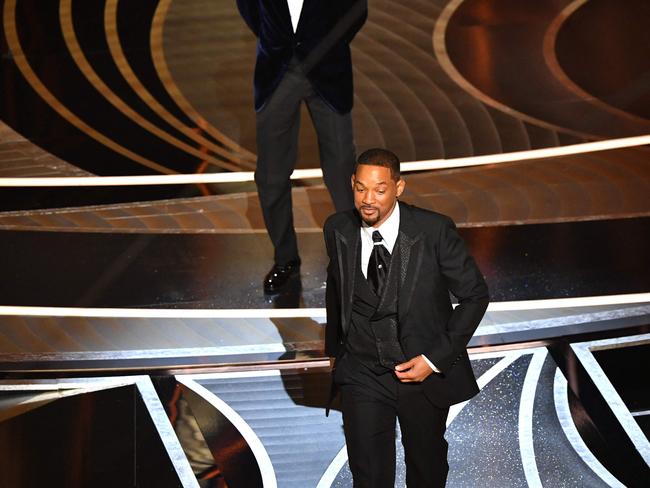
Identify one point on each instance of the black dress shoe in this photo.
(280, 275)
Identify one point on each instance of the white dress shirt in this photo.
(389, 231)
(295, 7)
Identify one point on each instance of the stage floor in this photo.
(268, 427)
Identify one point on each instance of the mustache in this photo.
(367, 207)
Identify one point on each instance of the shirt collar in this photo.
(388, 230)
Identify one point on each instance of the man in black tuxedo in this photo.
(303, 54)
(400, 346)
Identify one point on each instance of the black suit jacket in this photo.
(321, 43)
(434, 262)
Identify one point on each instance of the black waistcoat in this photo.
(373, 337)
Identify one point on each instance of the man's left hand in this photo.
(415, 370)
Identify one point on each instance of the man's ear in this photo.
(400, 187)
(352, 179)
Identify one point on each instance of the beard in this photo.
(370, 221)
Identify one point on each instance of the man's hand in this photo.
(415, 370)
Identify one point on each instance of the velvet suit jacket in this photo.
(321, 43)
(433, 262)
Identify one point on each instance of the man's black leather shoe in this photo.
(280, 275)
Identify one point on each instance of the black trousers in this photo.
(278, 125)
(371, 403)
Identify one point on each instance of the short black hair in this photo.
(380, 157)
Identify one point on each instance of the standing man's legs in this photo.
(336, 150)
(278, 125)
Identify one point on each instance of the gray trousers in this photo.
(278, 124)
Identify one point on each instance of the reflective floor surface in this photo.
(520, 262)
(529, 426)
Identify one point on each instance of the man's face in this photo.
(375, 193)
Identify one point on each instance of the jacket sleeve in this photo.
(466, 283)
(250, 12)
(332, 305)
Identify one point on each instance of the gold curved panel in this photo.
(9, 20)
(167, 80)
(441, 53)
(72, 42)
(77, 54)
(550, 38)
(115, 47)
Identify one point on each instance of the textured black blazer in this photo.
(321, 43)
(434, 261)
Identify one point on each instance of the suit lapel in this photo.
(347, 246)
(409, 246)
(304, 13)
(410, 251)
(283, 10)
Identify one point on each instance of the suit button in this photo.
(298, 44)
